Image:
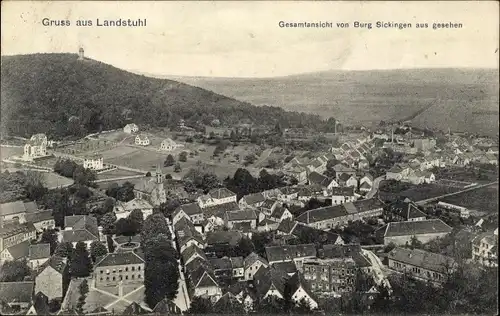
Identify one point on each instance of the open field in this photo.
(6, 152)
(53, 180)
(428, 191)
(482, 200)
(116, 173)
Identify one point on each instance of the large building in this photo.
(35, 147)
(152, 189)
(119, 268)
(333, 275)
(421, 264)
(16, 211)
(15, 233)
(402, 233)
(94, 162)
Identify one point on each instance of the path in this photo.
(422, 202)
(120, 178)
(262, 158)
(374, 189)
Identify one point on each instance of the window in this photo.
(133, 268)
(102, 271)
(139, 268)
(139, 276)
(126, 277)
(101, 279)
(126, 269)
(107, 278)
(133, 276)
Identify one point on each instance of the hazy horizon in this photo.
(243, 39)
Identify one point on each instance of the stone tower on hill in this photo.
(81, 54)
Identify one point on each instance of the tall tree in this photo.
(161, 272)
(200, 305)
(50, 237)
(154, 225)
(137, 217)
(169, 161)
(127, 227)
(97, 250)
(64, 249)
(108, 223)
(80, 264)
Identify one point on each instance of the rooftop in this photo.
(423, 259)
(431, 226)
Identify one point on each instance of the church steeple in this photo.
(81, 54)
(159, 174)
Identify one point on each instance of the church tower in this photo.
(81, 54)
(159, 175)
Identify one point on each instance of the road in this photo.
(422, 202)
(379, 270)
(376, 184)
(182, 299)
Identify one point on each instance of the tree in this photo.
(270, 305)
(245, 247)
(169, 161)
(50, 237)
(80, 263)
(84, 289)
(169, 207)
(64, 249)
(14, 271)
(137, 217)
(127, 227)
(154, 225)
(229, 305)
(108, 223)
(35, 185)
(287, 297)
(161, 274)
(183, 156)
(97, 250)
(177, 167)
(200, 305)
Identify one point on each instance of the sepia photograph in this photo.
(249, 157)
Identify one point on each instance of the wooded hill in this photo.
(61, 96)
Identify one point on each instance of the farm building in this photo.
(142, 140)
(131, 128)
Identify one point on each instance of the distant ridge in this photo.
(462, 99)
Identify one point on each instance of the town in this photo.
(144, 220)
(205, 213)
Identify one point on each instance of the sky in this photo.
(243, 39)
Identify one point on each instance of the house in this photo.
(191, 253)
(301, 291)
(243, 294)
(42, 220)
(401, 233)
(93, 162)
(286, 227)
(341, 169)
(227, 269)
(51, 277)
(342, 195)
(298, 172)
(123, 209)
(152, 189)
(169, 145)
(343, 251)
(80, 228)
(366, 183)
(463, 212)
(266, 225)
(40, 305)
(187, 235)
(315, 178)
(222, 240)
(16, 297)
(216, 214)
(395, 173)
(485, 249)
(322, 236)
(16, 212)
(295, 253)
(421, 264)
(131, 128)
(317, 165)
(166, 307)
(308, 192)
(16, 252)
(38, 254)
(142, 140)
(228, 299)
(252, 200)
(204, 284)
(119, 268)
(403, 211)
(190, 211)
(288, 194)
(325, 217)
(267, 207)
(36, 147)
(270, 282)
(280, 213)
(15, 233)
(253, 263)
(217, 197)
(247, 217)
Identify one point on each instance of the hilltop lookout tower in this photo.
(81, 54)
